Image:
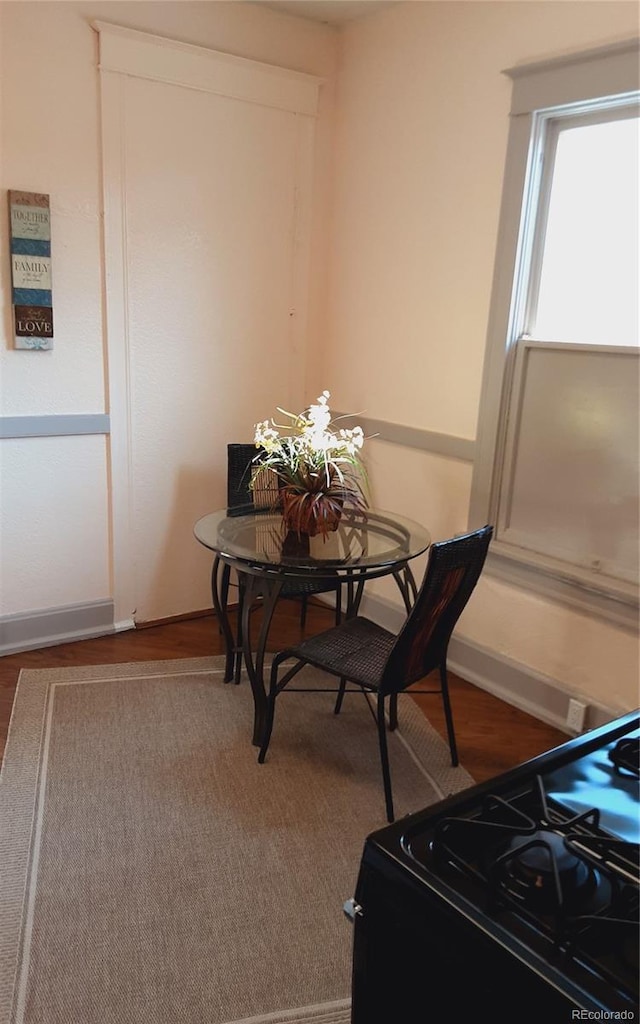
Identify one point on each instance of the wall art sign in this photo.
(30, 244)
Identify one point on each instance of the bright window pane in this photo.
(589, 282)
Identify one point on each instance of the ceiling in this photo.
(330, 12)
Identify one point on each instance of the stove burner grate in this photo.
(556, 872)
(619, 856)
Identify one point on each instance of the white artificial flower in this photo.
(265, 434)
(309, 448)
(319, 415)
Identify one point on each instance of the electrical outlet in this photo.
(576, 715)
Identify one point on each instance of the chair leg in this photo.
(393, 712)
(338, 605)
(303, 612)
(271, 710)
(340, 697)
(384, 757)
(448, 715)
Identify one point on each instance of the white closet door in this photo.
(210, 207)
(209, 195)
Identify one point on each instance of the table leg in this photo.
(242, 594)
(406, 585)
(219, 590)
(270, 591)
(355, 589)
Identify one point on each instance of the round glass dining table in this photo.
(258, 547)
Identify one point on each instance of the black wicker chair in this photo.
(361, 652)
(242, 499)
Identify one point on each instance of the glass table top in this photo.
(362, 541)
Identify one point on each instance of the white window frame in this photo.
(547, 127)
(546, 96)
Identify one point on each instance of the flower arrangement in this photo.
(319, 467)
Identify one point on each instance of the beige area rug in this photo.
(153, 873)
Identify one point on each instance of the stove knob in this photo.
(352, 909)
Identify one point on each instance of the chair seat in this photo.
(307, 588)
(299, 588)
(358, 649)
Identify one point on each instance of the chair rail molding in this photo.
(66, 425)
(448, 445)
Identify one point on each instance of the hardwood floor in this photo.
(492, 736)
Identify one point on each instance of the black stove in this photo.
(516, 899)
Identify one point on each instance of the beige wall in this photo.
(419, 159)
(55, 525)
(51, 143)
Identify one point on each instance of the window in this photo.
(558, 457)
(586, 289)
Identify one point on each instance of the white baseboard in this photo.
(541, 696)
(51, 626)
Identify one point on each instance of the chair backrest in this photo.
(241, 470)
(452, 572)
(239, 459)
